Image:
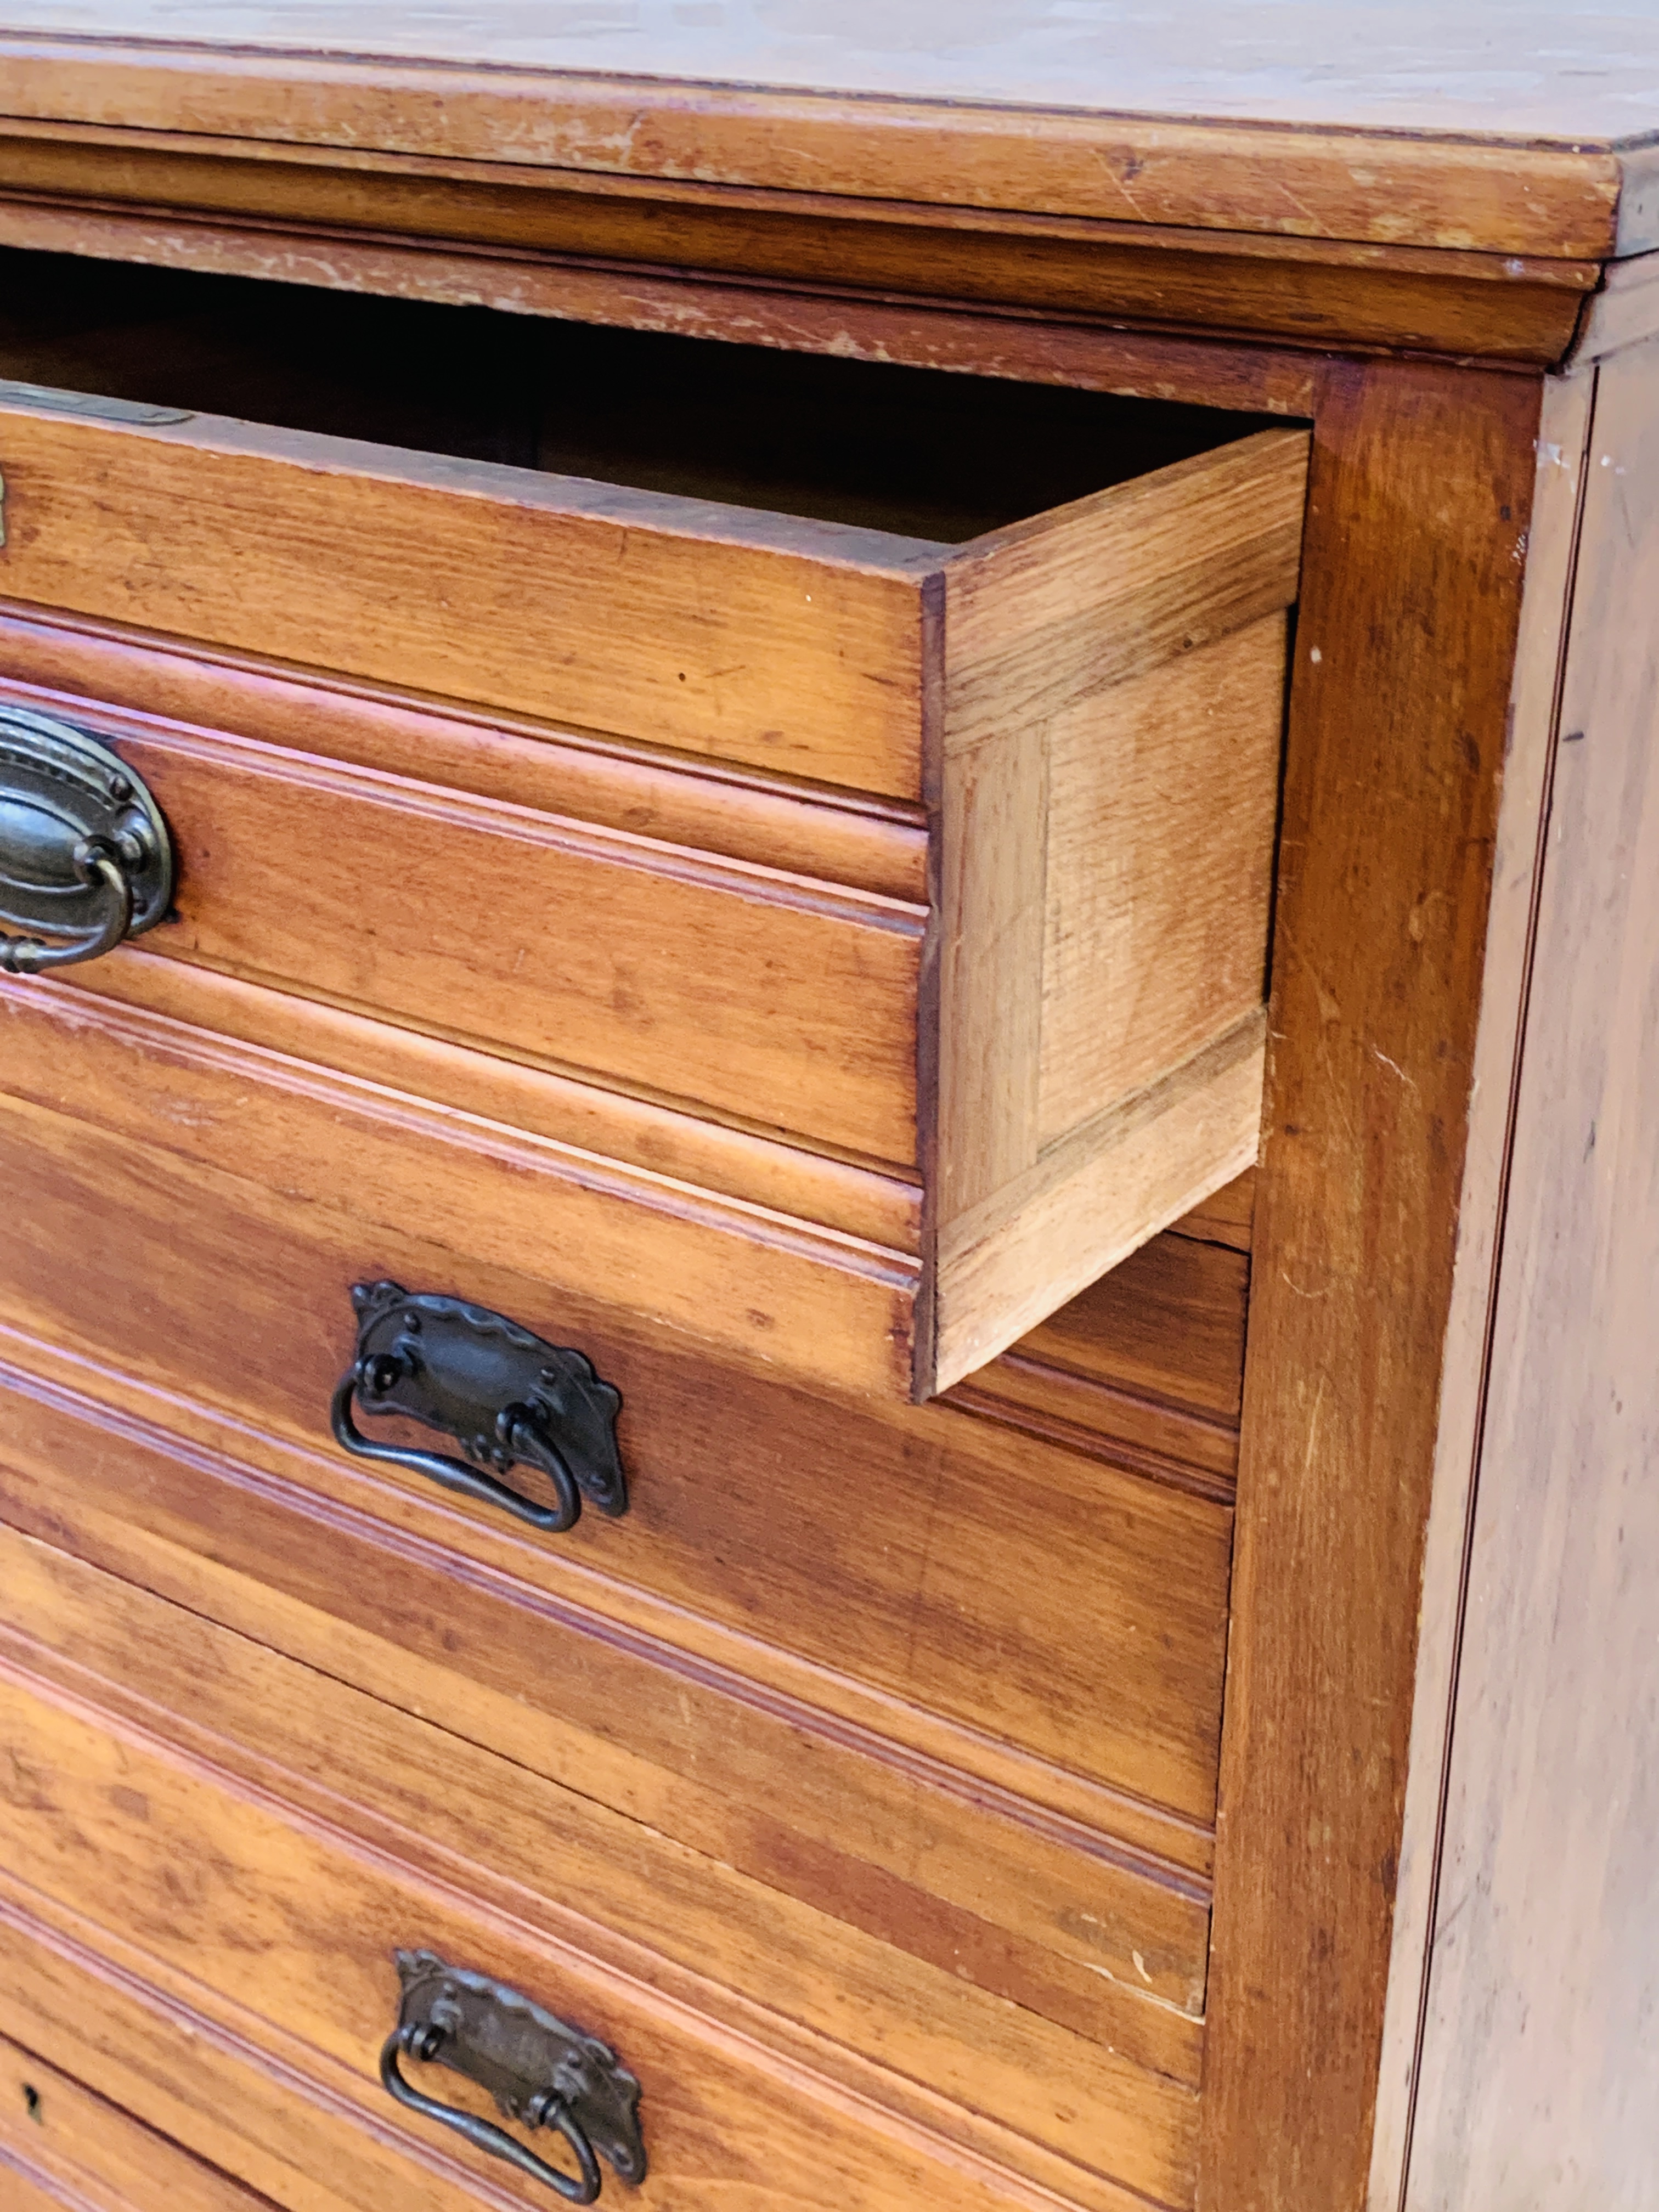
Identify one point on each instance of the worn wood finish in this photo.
(877, 1207)
(919, 332)
(294, 1912)
(592, 1877)
(1108, 674)
(910, 1509)
(818, 1824)
(1439, 192)
(262, 2102)
(558, 942)
(834, 837)
(1101, 1031)
(715, 630)
(1523, 821)
(1503, 307)
(242, 1489)
(814, 1303)
(1537, 2076)
(63, 2149)
(1418, 512)
(159, 2042)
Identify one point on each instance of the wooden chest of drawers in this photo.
(850, 1021)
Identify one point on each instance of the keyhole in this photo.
(32, 2101)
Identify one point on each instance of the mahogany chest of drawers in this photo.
(828, 900)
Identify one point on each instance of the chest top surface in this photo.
(1568, 72)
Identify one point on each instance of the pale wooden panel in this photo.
(1563, 433)
(1006, 1265)
(1113, 685)
(720, 631)
(1112, 586)
(1538, 2079)
(1163, 793)
(993, 829)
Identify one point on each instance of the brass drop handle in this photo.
(506, 1397)
(85, 857)
(541, 2071)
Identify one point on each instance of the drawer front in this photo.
(1061, 1045)
(740, 990)
(714, 630)
(220, 1844)
(229, 1221)
(61, 2145)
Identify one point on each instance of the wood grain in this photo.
(812, 1303)
(922, 334)
(902, 1523)
(836, 837)
(1226, 1217)
(787, 1003)
(1094, 1197)
(1537, 2074)
(295, 1918)
(718, 631)
(1091, 1090)
(1505, 307)
(63, 2145)
(159, 2043)
(1522, 820)
(479, 1822)
(1143, 1370)
(1417, 512)
(877, 1207)
(1161, 828)
(799, 1016)
(834, 1842)
(1168, 1325)
(1454, 192)
(267, 1511)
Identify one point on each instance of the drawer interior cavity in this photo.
(922, 454)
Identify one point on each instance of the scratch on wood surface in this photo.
(1377, 1052)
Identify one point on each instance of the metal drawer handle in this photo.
(541, 2071)
(505, 1396)
(84, 852)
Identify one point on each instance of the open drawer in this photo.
(1058, 692)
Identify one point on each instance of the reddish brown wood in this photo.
(837, 837)
(1480, 304)
(922, 333)
(1335, 184)
(63, 2149)
(1417, 529)
(778, 1511)
(554, 1857)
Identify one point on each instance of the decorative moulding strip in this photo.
(1415, 188)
